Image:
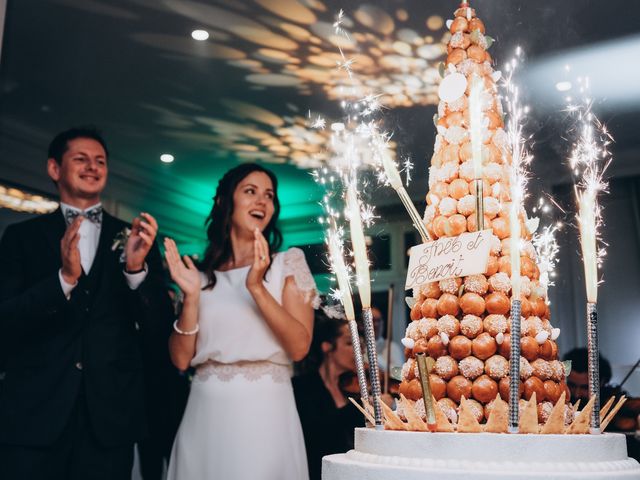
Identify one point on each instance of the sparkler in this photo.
(364, 290)
(342, 275)
(520, 158)
(476, 120)
(393, 176)
(590, 158)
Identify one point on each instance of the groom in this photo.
(77, 301)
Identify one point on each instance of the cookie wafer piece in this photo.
(467, 421)
(606, 407)
(529, 416)
(366, 414)
(414, 421)
(576, 405)
(612, 413)
(442, 422)
(498, 421)
(555, 422)
(582, 422)
(391, 420)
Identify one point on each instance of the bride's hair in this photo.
(218, 222)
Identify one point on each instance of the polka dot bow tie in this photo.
(94, 215)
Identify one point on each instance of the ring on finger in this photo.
(263, 258)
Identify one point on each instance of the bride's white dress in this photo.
(241, 421)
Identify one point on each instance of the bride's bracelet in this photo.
(182, 332)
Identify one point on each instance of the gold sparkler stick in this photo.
(425, 364)
(396, 182)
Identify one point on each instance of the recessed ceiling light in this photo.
(200, 35)
(167, 158)
(563, 86)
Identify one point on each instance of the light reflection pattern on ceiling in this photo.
(286, 43)
(291, 44)
(290, 48)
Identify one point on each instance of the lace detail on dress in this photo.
(251, 371)
(296, 265)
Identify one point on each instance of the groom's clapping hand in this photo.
(143, 233)
(70, 254)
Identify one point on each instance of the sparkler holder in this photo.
(514, 367)
(594, 367)
(357, 354)
(370, 338)
(479, 203)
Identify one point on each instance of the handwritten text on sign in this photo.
(466, 254)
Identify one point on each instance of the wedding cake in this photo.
(463, 324)
(389, 455)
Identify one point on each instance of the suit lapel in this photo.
(109, 230)
(54, 228)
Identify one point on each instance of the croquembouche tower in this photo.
(461, 327)
(464, 323)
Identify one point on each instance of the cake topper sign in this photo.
(449, 257)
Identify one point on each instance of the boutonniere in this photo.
(119, 242)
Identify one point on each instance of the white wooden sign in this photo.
(466, 254)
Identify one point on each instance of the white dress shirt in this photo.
(88, 245)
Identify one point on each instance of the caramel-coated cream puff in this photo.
(456, 56)
(529, 348)
(429, 308)
(497, 303)
(459, 347)
(496, 367)
(448, 304)
(457, 387)
(503, 387)
(484, 389)
(471, 326)
(458, 188)
(446, 367)
(438, 386)
(435, 347)
(534, 384)
(472, 304)
(484, 346)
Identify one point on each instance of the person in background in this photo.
(578, 379)
(397, 352)
(327, 416)
(80, 291)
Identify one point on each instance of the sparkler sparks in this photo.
(520, 159)
(345, 63)
(547, 252)
(590, 157)
(319, 123)
(337, 25)
(407, 166)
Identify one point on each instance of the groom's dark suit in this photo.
(58, 355)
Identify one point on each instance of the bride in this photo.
(247, 314)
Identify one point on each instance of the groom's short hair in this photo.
(60, 144)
